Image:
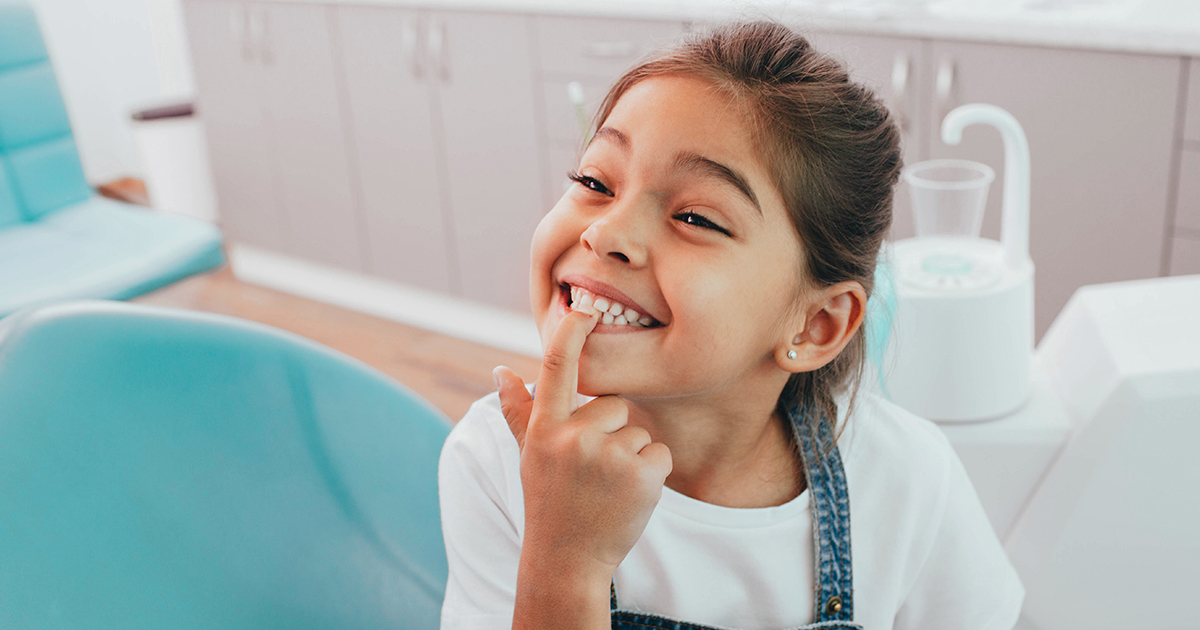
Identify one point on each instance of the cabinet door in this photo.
(227, 79)
(394, 147)
(486, 95)
(308, 135)
(896, 70)
(1101, 133)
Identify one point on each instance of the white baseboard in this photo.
(439, 313)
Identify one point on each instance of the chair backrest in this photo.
(169, 469)
(39, 164)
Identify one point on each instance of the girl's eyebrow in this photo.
(708, 168)
(612, 134)
(688, 161)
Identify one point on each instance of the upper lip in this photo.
(603, 290)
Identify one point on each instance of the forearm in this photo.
(561, 593)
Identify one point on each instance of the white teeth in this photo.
(612, 313)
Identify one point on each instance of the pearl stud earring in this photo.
(791, 354)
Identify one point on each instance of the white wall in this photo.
(113, 57)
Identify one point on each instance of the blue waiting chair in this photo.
(58, 239)
(170, 469)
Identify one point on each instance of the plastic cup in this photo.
(948, 196)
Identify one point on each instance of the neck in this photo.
(735, 452)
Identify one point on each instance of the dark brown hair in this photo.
(831, 147)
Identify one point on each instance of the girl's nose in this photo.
(618, 234)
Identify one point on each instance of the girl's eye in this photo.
(698, 220)
(591, 183)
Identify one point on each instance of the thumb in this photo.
(515, 401)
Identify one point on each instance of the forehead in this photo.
(684, 113)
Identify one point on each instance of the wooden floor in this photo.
(448, 372)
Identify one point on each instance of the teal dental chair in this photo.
(169, 469)
(58, 239)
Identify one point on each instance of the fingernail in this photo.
(496, 376)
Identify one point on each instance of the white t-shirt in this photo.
(925, 556)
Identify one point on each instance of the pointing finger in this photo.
(558, 381)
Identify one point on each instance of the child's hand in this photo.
(591, 481)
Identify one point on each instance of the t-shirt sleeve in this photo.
(479, 520)
(966, 581)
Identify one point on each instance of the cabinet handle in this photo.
(945, 87)
(437, 49)
(238, 18)
(579, 104)
(609, 50)
(257, 30)
(408, 44)
(900, 70)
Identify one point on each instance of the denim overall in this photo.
(830, 504)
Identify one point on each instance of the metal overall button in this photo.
(834, 605)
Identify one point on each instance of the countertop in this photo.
(1159, 27)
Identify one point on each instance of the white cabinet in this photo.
(269, 98)
(443, 117)
(400, 168)
(228, 74)
(396, 142)
(493, 184)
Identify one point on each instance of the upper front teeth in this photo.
(613, 313)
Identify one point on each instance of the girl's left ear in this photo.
(821, 331)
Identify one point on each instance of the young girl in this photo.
(704, 281)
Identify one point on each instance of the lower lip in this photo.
(604, 329)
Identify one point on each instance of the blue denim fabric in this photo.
(830, 504)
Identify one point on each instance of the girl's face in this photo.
(674, 216)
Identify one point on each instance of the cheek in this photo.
(555, 235)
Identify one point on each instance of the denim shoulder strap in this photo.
(830, 503)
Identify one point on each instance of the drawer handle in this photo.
(437, 50)
(900, 70)
(609, 50)
(408, 44)
(579, 103)
(259, 30)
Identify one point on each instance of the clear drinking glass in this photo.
(948, 196)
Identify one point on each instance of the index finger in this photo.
(558, 381)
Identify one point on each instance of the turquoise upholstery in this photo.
(169, 469)
(881, 315)
(100, 248)
(36, 147)
(58, 240)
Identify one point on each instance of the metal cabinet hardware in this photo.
(439, 64)
(901, 65)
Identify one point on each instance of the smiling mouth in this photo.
(614, 313)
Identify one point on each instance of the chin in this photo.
(598, 385)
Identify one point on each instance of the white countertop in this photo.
(1163, 27)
